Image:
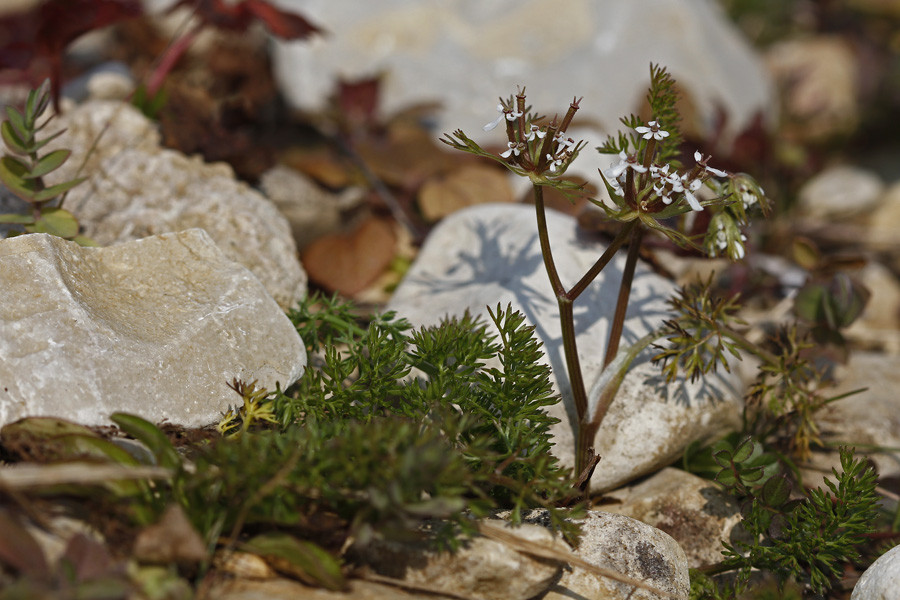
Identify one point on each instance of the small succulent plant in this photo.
(23, 168)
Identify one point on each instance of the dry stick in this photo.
(415, 587)
(381, 189)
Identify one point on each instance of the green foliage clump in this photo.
(486, 394)
(23, 171)
(697, 342)
(806, 538)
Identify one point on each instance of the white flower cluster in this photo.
(666, 185)
(564, 149)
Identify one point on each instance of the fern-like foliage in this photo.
(487, 393)
(697, 342)
(808, 539)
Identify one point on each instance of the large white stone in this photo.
(465, 53)
(156, 327)
(490, 254)
(627, 547)
(483, 569)
(839, 192)
(135, 189)
(694, 511)
(881, 580)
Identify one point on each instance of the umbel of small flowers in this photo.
(539, 150)
(648, 190)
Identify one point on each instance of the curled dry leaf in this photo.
(348, 262)
(470, 185)
(173, 539)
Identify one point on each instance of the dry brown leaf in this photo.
(322, 165)
(348, 262)
(406, 157)
(173, 539)
(470, 185)
(18, 548)
(25, 476)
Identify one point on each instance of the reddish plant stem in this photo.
(618, 323)
(566, 316)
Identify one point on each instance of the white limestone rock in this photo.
(694, 511)
(465, 53)
(311, 211)
(136, 189)
(881, 580)
(841, 191)
(157, 327)
(483, 569)
(630, 548)
(490, 254)
(870, 418)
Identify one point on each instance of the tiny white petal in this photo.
(695, 205)
(697, 156)
(490, 126)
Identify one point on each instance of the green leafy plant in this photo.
(23, 171)
(494, 416)
(805, 538)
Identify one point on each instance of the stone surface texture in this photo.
(820, 81)
(287, 589)
(881, 580)
(465, 53)
(879, 325)
(490, 254)
(628, 547)
(884, 222)
(692, 510)
(841, 191)
(156, 327)
(484, 569)
(136, 189)
(311, 211)
(869, 418)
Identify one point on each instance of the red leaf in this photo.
(18, 548)
(39, 36)
(283, 24)
(358, 101)
(238, 16)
